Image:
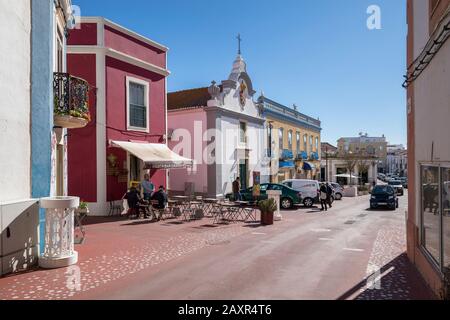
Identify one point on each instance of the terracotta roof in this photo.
(188, 99)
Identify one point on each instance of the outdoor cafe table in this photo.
(233, 210)
(246, 210)
(208, 204)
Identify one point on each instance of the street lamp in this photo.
(270, 149)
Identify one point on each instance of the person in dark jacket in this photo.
(329, 194)
(161, 197)
(323, 197)
(133, 200)
(237, 189)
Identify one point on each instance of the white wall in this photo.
(230, 167)
(432, 108)
(15, 17)
(431, 100)
(421, 26)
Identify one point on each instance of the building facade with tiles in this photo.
(293, 142)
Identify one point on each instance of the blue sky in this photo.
(318, 54)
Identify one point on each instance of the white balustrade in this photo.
(276, 195)
(59, 232)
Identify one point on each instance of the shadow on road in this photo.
(397, 280)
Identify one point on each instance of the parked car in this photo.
(338, 190)
(289, 196)
(384, 195)
(398, 186)
(309, 189)
(404, 181)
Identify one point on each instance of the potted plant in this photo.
(267, 208)
(83, 208)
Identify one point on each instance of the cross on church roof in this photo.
(239, 43)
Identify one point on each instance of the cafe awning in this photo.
(307, 166)
(154, 155)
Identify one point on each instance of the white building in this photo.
(33, 48)
(397, 160)
(428, 111)
(333, 167)
(222, 129)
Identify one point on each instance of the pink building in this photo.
(127, 136)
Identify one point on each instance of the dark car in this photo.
(289, 197)
(384, 195)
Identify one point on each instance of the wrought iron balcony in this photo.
(71, 101)
(287, 155)
(314, 156)
(303, 155)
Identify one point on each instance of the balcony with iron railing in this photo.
(71, 101)
(286, 154)
(302, 155)
(314, 156)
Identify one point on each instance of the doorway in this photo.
(135, 170)
(243, 173)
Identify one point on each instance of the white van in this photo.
(309, 189)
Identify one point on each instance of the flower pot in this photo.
(82, 211)
(69, 122)
(266, 218)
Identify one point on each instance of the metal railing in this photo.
(71, 96)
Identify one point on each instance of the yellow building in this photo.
(293, 142)
(363, 144)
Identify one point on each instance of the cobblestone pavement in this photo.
(349, 252)
(99, 269)
(390, 274)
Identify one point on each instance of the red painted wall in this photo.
(119, 41)
(86, 35)
(82, 155)
(116, 73)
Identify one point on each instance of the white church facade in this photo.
(222, 129)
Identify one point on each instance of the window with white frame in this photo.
(137, 104)
(242, 132)
(290, 140)
(281, 139)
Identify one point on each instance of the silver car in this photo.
(398, 186)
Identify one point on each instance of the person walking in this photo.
(237, 189)
(323, 197)
(147, 187)
(329, 194)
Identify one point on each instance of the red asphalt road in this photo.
(309, 255)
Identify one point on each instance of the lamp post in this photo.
(326, 164)
(270, 149)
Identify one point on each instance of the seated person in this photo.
(161, 197)
(133, 200)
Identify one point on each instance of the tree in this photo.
(363, 167)
(351, 160)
